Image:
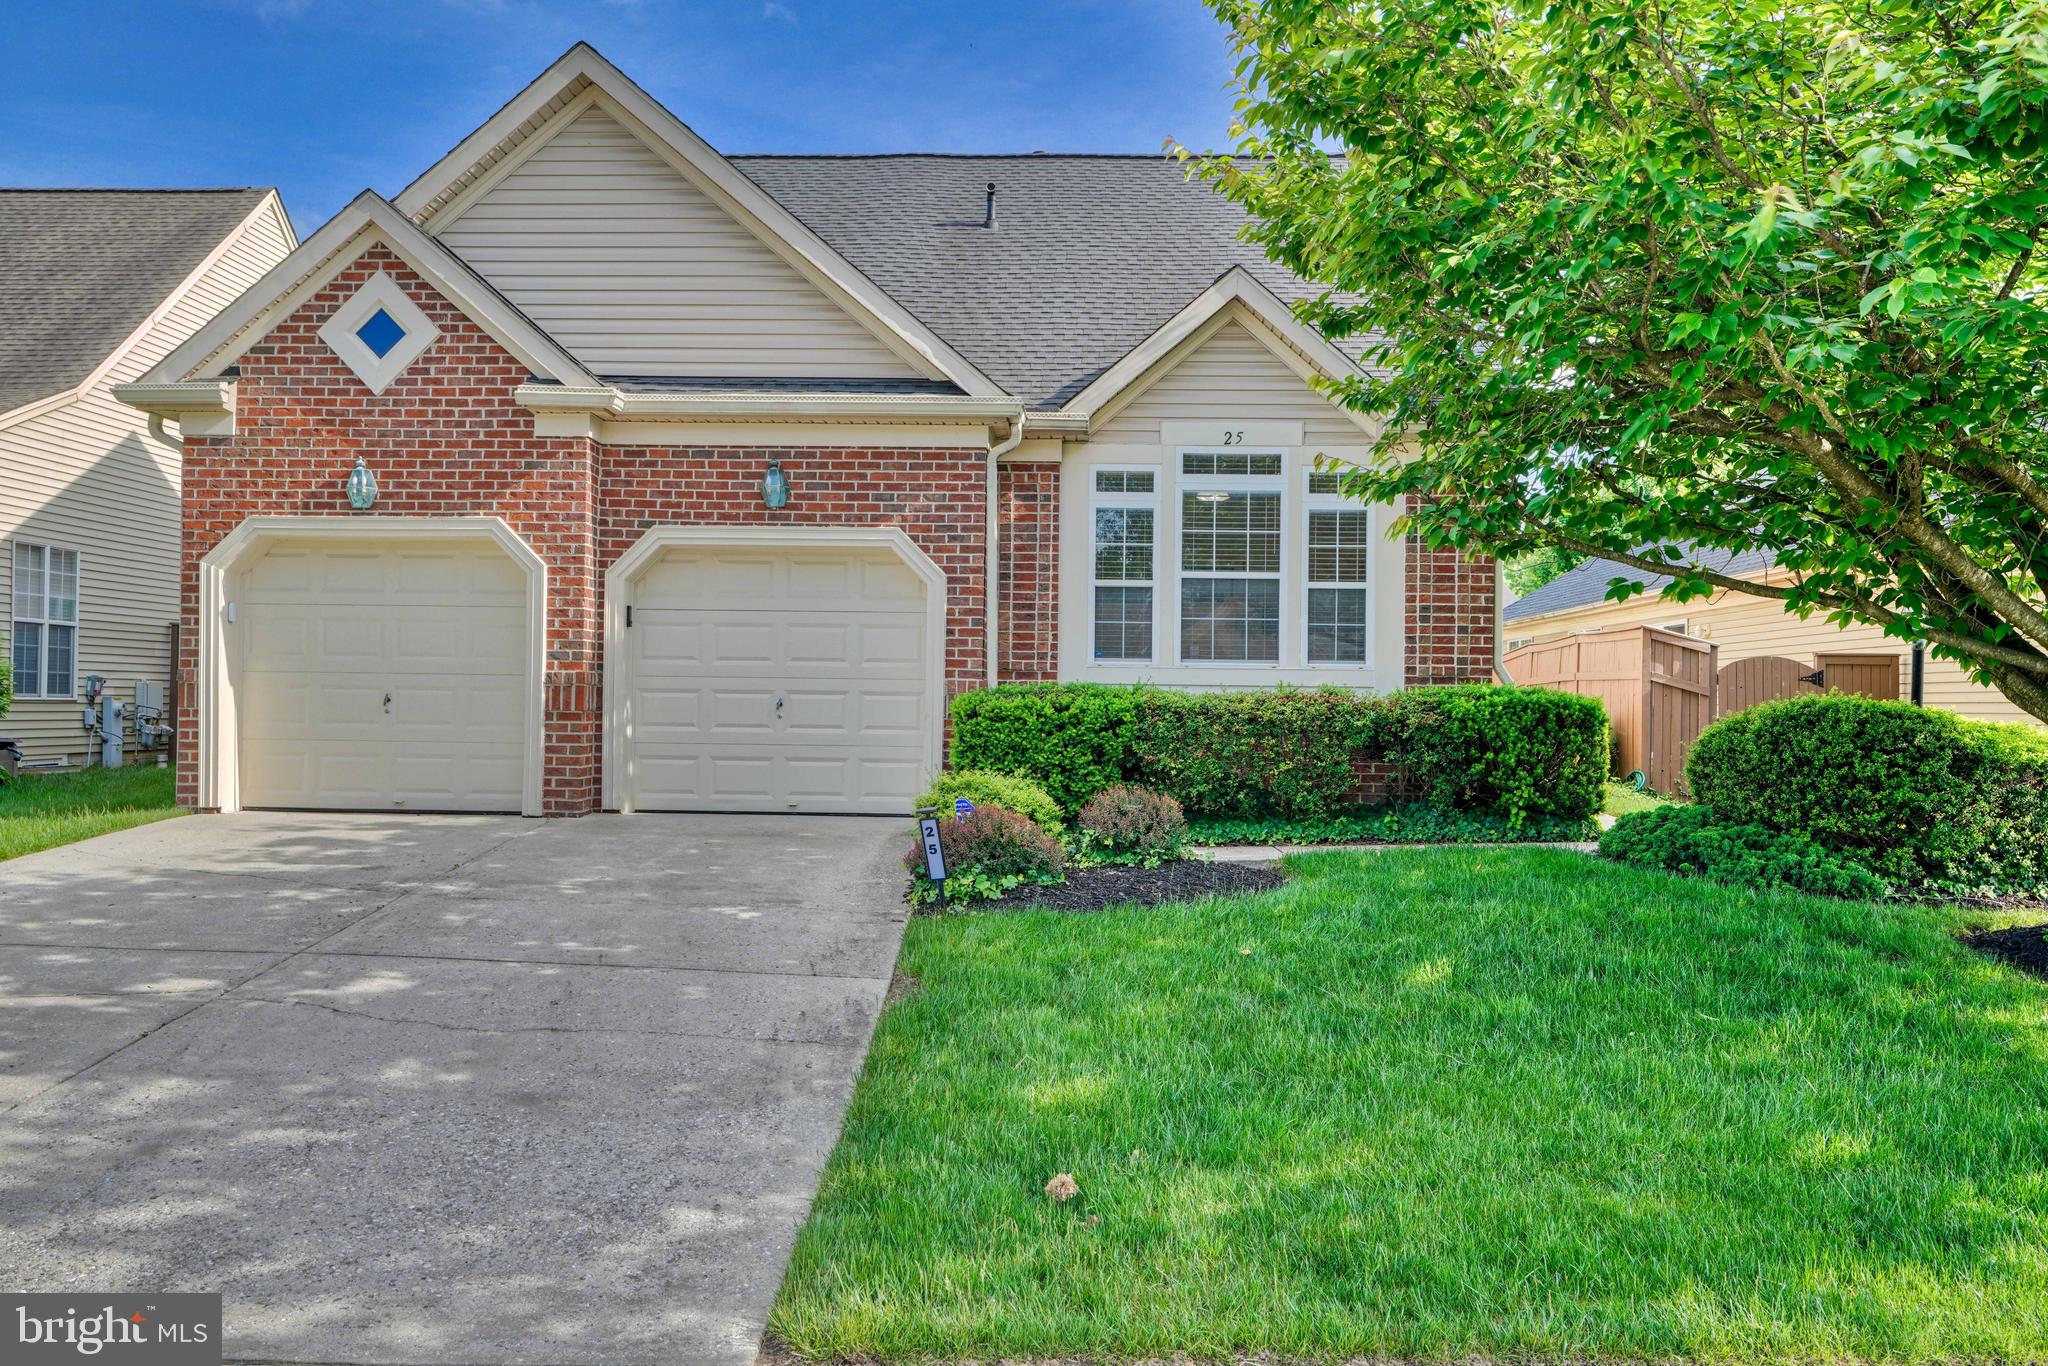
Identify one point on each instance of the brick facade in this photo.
(1028, 571)
(447, 439)
(1449, 616)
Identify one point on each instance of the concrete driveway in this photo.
(438, 1088)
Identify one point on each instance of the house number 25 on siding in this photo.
(1235, 438)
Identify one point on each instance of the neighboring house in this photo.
(1741, 626)
(704, 482)
(97, 286)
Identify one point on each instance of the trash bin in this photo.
(10, 757)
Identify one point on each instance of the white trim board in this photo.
(217, 755)
(656, 541)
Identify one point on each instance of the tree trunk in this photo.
(2024, 690)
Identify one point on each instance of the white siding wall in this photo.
(86, 476)
(1231, 377)
(1744, 625)
(637, 272)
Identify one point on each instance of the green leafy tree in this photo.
(1642, 278)
(1532, 569)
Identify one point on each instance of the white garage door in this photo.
(381, 676)
(777, 680)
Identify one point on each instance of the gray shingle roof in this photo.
(1088, 257)
(81, 269)
(1586, 585)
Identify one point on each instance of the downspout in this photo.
(156, 430)
(992, 568)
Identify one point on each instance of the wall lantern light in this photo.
(775, 487)
(362, 487)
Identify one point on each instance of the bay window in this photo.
(1339, 549)
(45, 621)
(1230, 534)
(1125, 508)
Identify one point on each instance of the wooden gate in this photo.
(1766, 678)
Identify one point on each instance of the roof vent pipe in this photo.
(988, 212)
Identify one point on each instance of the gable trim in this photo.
(367, 221)
(428, 199)
(1236, 296)
(270, 204)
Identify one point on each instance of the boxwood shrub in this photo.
(1923, 797)
(1518, 753)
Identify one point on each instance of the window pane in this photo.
(1230, 619)
(1238, 533)
(28, 655)
(1336, 625)
(1123, 623)
(58, 665)
(28, 580)
(1229, 462)
(1123, 481)
(1324, 481)
(1338, 545)
(62, 586)
(1123, 543)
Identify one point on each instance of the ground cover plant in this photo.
(1692, 839)
(1437, 1104)
(1402, 823)
(44, 810)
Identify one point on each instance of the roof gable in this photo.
(81, 271)
(636, 270)
(367, 221)
(1236, 306)
(581, 78)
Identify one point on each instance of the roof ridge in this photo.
(134, 189)
(949, 156)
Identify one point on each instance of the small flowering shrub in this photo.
(1129, 824)
(992, 852)
(986, 788)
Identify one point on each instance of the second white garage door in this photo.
(777, 680)
(381, 675)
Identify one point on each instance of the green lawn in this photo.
(44, 810)
(1622, 799)
(1434, 1103)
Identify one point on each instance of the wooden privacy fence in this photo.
(1766, 678)
(1658, 687)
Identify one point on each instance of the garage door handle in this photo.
(778, 706)
(387, 704)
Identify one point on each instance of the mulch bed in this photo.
(1095, 889)
(2022, 946)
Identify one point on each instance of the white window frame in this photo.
(1312, 502)
(377, 372)
(1100, 498)
(1185, 484)
(45, 621)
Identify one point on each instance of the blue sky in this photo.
(324, 97)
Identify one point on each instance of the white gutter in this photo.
(993, 566)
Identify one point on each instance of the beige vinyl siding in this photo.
(636, 271)
(86, 476)
(1230, 377)
(1743, 625)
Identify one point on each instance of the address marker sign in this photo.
(934, 855)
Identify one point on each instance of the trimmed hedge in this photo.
(1693, 839)
(1519, 753)
(984, 788)
(1922, 797)
(1071, 737)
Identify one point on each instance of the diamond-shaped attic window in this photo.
(380, 332)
